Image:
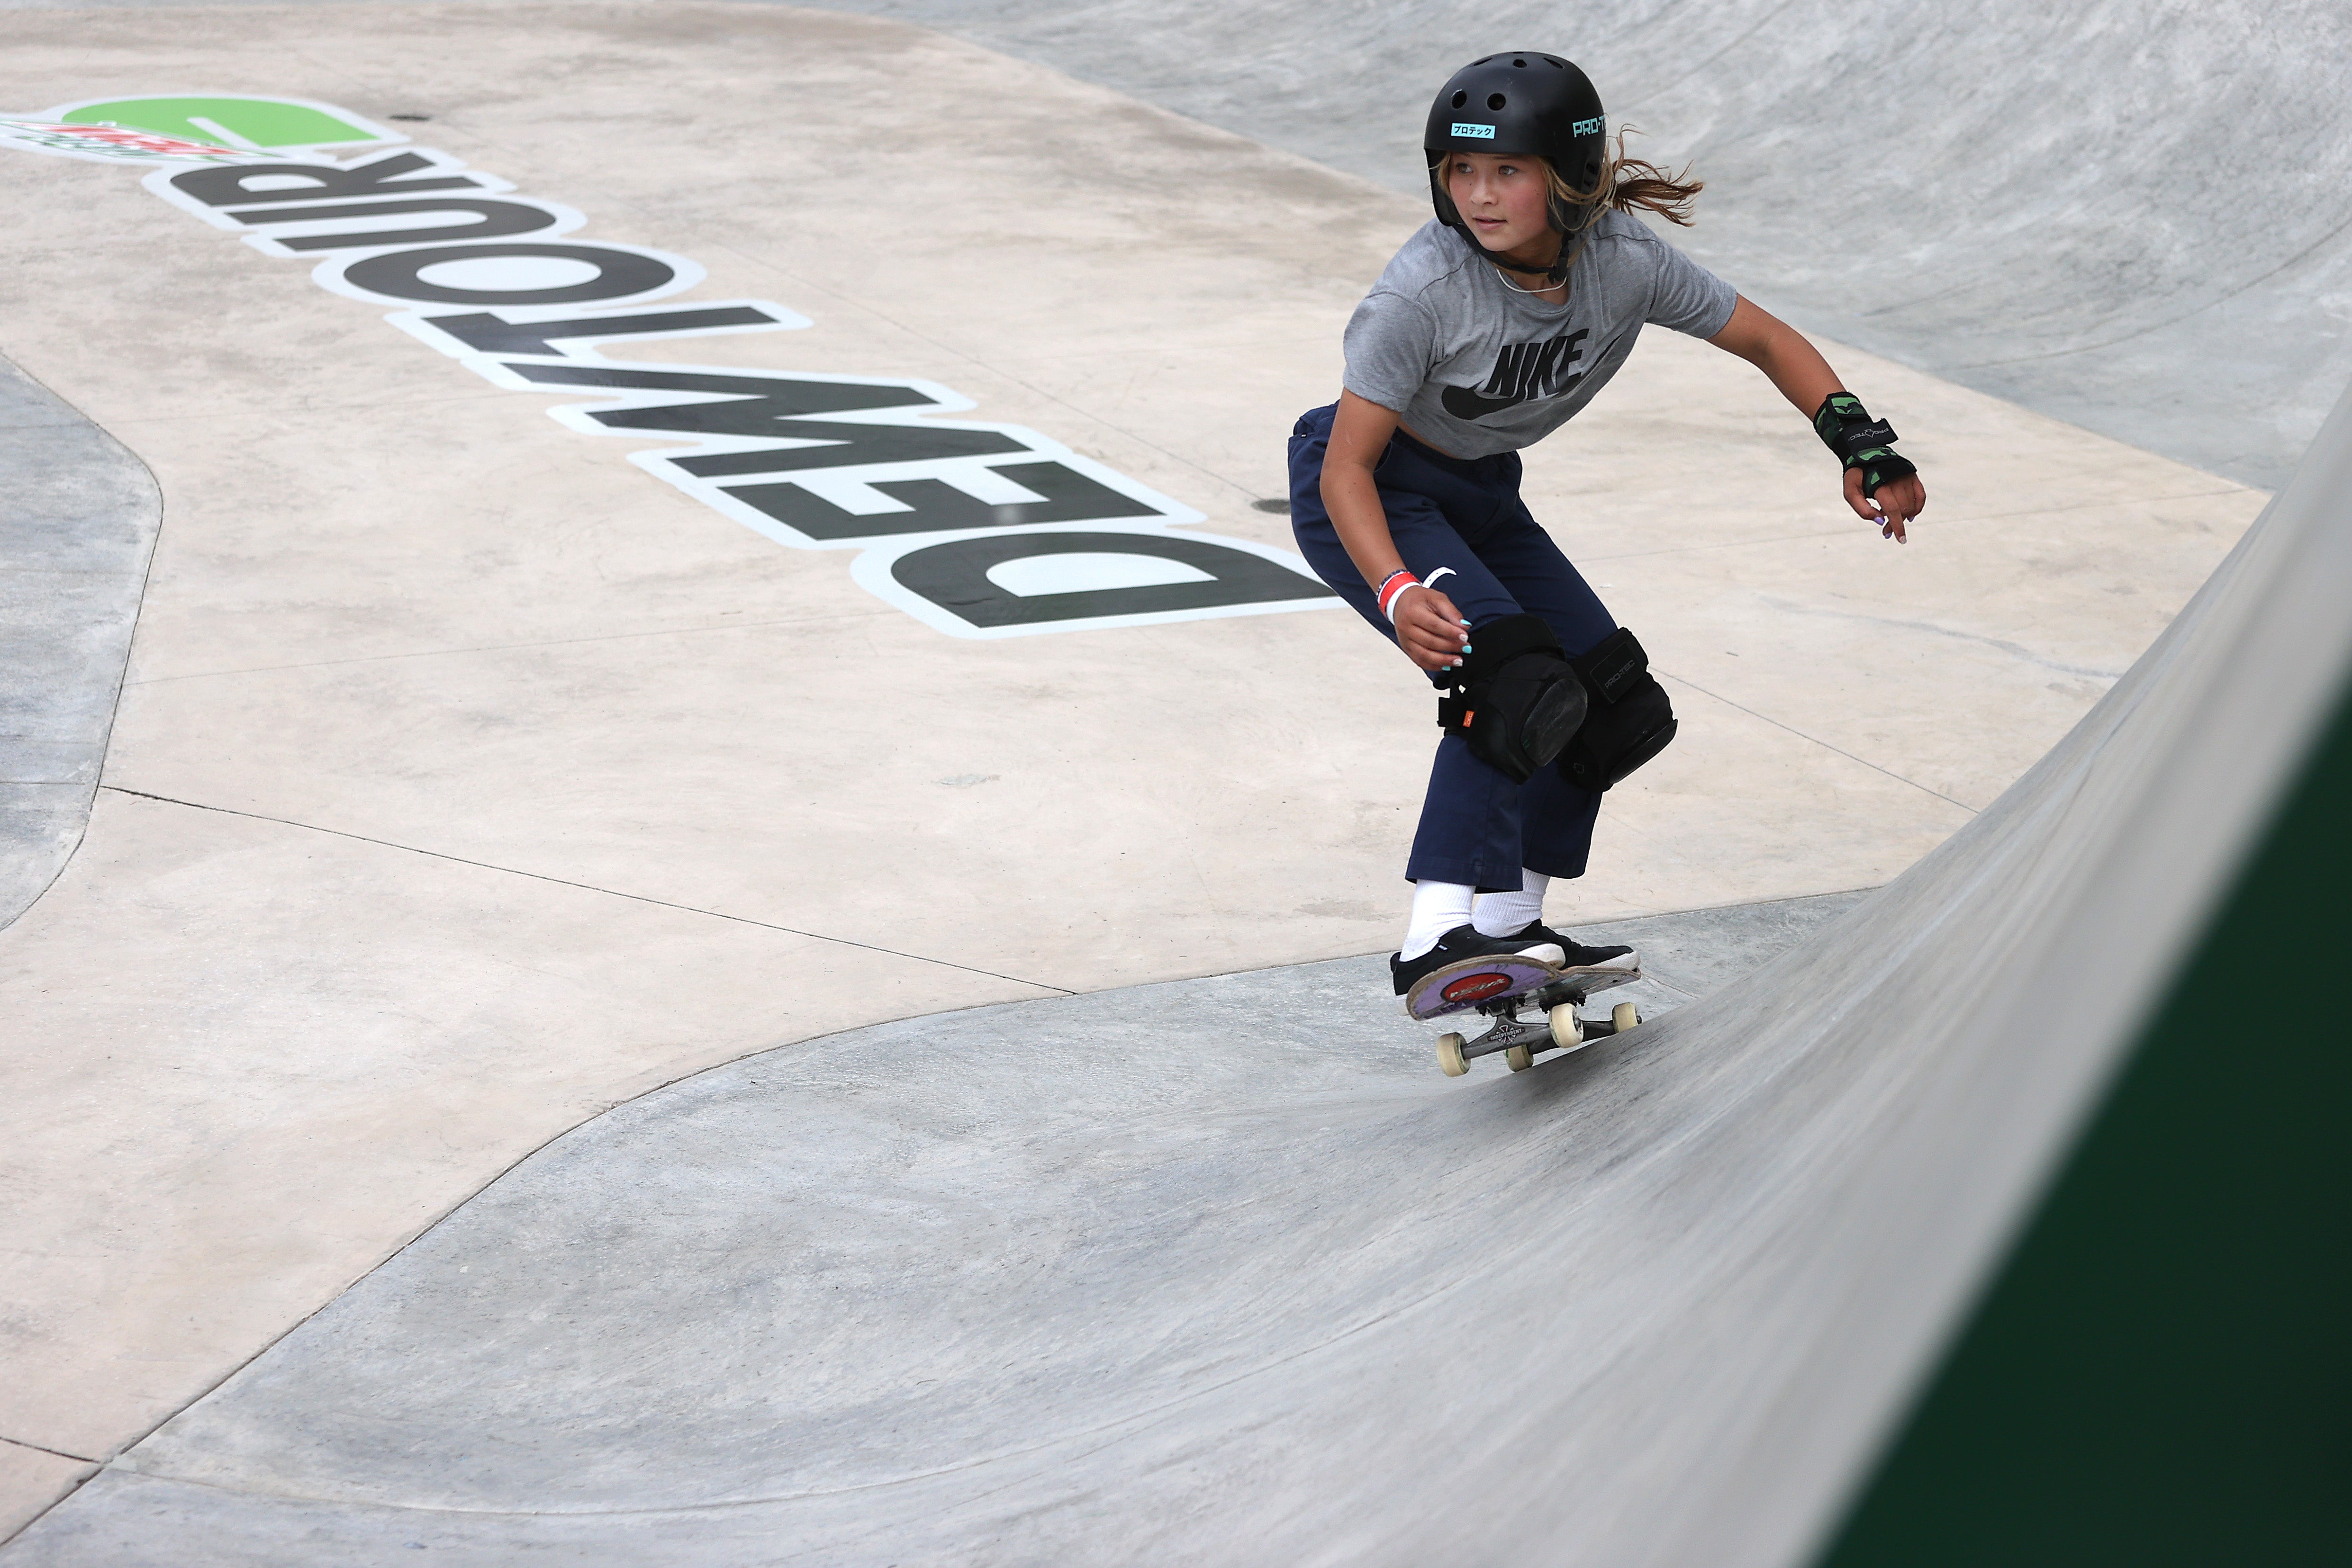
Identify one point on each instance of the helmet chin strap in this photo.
(1566, 219)
(1554, 275)
(1557, 273)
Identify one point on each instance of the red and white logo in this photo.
(112, 141)
(1477, 987)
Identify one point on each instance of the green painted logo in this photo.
(202, 128)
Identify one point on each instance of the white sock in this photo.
(1507, 913)
(1437, 907)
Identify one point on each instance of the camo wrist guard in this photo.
(1860, 442)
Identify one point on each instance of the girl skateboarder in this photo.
(1490, 329)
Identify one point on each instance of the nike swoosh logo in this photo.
(1464, 403)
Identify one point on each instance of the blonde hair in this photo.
(1627, 183)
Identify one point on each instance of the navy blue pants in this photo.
(1476, 826)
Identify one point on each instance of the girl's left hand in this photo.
(1898, 502)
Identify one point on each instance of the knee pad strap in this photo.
(1516, 698)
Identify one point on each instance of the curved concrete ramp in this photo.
(1220, 1271)
(77, 528)
(2117, 215)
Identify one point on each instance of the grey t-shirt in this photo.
(1478, 369)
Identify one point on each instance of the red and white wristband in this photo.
(1393, 585)
(1392, 589)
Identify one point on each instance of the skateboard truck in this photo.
(1558, 1025)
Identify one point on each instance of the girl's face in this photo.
(1502, 196)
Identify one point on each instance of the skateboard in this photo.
(1502, 989)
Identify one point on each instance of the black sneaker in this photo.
(1578, 956)
(1465, 941)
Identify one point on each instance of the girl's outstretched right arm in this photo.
(1429, 628)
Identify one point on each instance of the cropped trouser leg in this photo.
(1463, 522)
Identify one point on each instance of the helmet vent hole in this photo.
(1460, 99)
(1521, 64)
(1494, 100)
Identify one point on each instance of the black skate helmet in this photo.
(1523, 103)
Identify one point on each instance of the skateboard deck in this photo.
(1502, 989)
(1482, 982)
(1463, 985)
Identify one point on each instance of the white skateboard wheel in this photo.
(1624, 1015)
(1519, 1058)
(1449, 1055)
(1567, 1028)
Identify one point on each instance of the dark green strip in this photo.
(2159, 1375)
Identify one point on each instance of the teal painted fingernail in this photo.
(1465, 647)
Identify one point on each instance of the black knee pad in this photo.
(1515, 698)
(1627, 719)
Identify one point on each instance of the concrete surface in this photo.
(468, 782)
(669, 1358)
(2133, 214)
(32, 1479)
(1219, 1271)
(78, 519)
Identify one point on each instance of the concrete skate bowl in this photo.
(2136, 217)
(1221, 1271)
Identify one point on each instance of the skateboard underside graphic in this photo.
(1504, 988)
